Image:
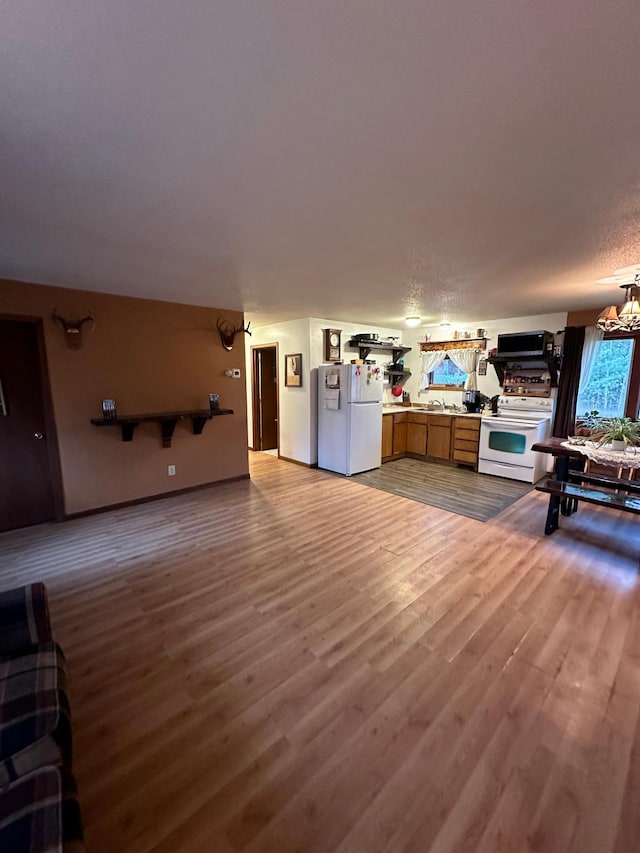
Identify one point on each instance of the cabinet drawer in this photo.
(416, 418)
(440, 421)
(468, 423)
(466, 435)
(465, 456)
(400, 418)
(470, 446)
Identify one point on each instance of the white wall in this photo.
(316, 327)
(298, 415)
(294, 403)
(487, 384)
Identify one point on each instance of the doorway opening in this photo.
(30, 484)
(264, 387)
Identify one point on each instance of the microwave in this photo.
(522, 344)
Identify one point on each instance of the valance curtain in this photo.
(431, 360)
(467, 361)
(565, 419)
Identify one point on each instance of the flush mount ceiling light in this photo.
(445, 325)
(412, 321)
(627, 318)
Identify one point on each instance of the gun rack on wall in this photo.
(167, 421)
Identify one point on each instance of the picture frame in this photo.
(293, 370)
(482, 367)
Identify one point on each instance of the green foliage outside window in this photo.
(608, 384)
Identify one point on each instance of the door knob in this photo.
(38, 435)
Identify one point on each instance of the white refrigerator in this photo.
(349, 417)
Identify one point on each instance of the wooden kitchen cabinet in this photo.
(466, 438)
(439, 428)
(394, 436)
(387, 436)
(437, 438)
(400, 434)
(416, 434)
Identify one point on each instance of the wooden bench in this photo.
(608, 482)
(625, 498)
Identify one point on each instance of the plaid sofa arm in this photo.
(35, 723)
(40, 813)
(24, 619)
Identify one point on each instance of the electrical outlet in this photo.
(171, 470)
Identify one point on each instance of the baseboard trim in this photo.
(297, 462)
(175, 493)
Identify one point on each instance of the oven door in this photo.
(509, 441)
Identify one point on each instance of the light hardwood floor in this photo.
(302, 663)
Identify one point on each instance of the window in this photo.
(447, 376)
(607, 390)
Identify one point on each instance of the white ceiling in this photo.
(356, 159)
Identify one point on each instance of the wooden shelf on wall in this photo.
(502, 364)
(167, 421)
(365, 348)
(462, 343)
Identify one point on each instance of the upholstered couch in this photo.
(38, 806)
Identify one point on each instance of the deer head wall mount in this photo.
(73, 328)
(228, 333)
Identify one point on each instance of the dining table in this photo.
(619, 485)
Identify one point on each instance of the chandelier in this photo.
(627, 318)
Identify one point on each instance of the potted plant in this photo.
(588, 423)
(620, 433)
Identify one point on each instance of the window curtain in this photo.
(467, 361)
(565, 419)
(431, 360)
(592, 338)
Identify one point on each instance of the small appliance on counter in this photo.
(473, 401)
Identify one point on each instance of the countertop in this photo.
(396, 408)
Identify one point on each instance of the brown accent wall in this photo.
(150, 357)
(583, 318)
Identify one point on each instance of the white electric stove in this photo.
(506, 438)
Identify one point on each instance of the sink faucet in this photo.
(442, 404)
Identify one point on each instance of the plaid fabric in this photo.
(35, 726)
(39, 814)
(24, 619)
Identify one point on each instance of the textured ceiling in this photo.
(354, 159)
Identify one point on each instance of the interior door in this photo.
(265, 363)
(26, 489)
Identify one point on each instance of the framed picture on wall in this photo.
(482, 367)
(293, 370)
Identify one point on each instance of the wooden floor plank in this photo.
(303, 663)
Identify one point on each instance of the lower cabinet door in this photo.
(417, 439)
(400, 438)
(439, 441)
(387, 435)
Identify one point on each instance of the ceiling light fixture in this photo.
(627, 318)
(412, 321)
(445, 325)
